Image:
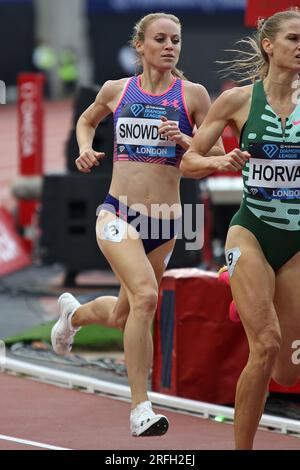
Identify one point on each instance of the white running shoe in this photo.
(144, 422)
(62, 333)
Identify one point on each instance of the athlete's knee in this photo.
(266, 349)
(144, 300)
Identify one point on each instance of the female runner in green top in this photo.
(263, 242)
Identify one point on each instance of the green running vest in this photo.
(272, 174)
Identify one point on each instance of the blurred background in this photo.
(79, 44)
(91, 36)
(54, 57)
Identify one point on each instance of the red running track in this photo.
(54, 416)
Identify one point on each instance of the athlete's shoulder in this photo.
(197, 96)
(237, 96)
(233, 100)
(195, 88)
(111, 88)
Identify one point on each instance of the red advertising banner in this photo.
(30, 115)
(13, 255)
(265, 8)
(30, 136)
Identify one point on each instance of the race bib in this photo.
(137, 131)
(274, 171)
(114, 230)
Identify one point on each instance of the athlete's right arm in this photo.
(87, 124)
(194, 163)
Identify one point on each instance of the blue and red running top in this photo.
(136, 122)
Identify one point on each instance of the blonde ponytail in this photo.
(252, 61)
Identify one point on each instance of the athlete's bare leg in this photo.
(137, 332)
(112, 311)
(253, 287)
(134, 310)
(107, 311)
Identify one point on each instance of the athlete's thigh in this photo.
(160, 257)
(252, 281)
(287, 302)
(123, 249)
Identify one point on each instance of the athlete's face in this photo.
(162, 44)
(285, 49)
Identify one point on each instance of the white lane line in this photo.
(30, 443)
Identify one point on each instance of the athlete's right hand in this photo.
(87, 159)
(233, 161)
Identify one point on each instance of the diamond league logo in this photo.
(137, 109)
(270, 150)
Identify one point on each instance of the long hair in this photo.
(253, 63)
(139, 32)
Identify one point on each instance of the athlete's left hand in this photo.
(170, 130)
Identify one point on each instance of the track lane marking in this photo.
(30, 443)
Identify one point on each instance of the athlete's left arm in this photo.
(199, 103)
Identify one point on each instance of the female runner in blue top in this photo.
(154, 116)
